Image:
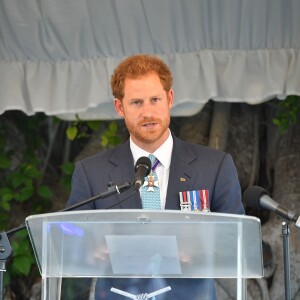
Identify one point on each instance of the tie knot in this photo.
(152, 158)
(154, 162)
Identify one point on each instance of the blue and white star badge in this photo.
(151, 183)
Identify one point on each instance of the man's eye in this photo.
(155, 99)
(137, 102)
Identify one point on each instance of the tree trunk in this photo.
(219, 126)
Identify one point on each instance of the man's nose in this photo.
(148, 109)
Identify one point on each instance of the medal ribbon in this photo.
(154, 166)
(194, 200)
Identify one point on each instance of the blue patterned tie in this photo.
(150, 190)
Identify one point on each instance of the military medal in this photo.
(184, 203)
(194, 200)
(150, 180)
(204, 200)
(151, 183)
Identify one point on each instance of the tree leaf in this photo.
(22, 264)
(32, 171)
(94, 125)
(25, 193)
(45, 192)
(104, 141)
(4, 162)
(17, 179)
(7, 197)
(72, 133)
(67, 168)
(113, 127)
(5, 205)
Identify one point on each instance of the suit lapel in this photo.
(123, 171)
(182, 174)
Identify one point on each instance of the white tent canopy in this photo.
(57, 56)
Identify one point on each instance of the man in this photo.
(142, 87)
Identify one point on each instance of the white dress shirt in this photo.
(163, 154)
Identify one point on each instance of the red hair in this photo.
(137, 66)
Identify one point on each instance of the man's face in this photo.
(146, 110)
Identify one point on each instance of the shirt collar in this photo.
(163, 153)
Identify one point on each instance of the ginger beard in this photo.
(146, 133)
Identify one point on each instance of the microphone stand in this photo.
(5, 254)
(5, 246)
(112, 190)
(286, 256)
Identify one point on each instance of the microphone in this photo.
(142, 169)
(256, 197)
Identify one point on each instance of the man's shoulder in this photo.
(184, 147)
(104, 156)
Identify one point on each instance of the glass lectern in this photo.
(140, 243)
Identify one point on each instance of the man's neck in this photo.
(152, 147)
(163, 153)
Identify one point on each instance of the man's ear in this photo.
(170, 98)
(119, 107)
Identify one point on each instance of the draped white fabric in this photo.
(57, 56)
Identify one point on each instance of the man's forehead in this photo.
(141, 76)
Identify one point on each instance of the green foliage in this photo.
(21, 184)
(109, 136)
(23, 255)
(80, 129)
(72, 132)
(25, 185)
(288, 111)
(4, 161)
(67, 170)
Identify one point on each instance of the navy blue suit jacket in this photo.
(200, 166)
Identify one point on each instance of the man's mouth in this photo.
(149, 124)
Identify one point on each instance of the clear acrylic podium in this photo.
(144, 244)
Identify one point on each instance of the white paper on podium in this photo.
(143, 255)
